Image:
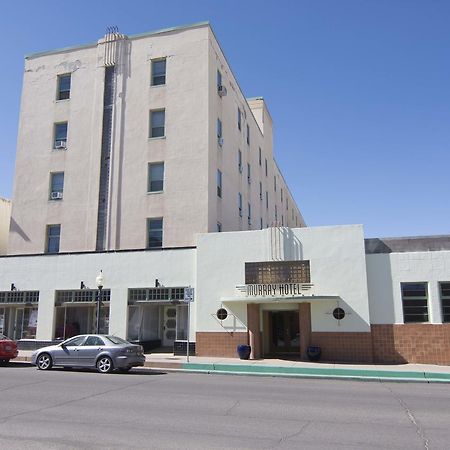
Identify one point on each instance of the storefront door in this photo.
(170, 326)
(284, 332)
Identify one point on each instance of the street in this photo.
(62, 409)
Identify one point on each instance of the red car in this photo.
(8, 349)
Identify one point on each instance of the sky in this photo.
(359, 91)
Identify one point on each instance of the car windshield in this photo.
(117, 340)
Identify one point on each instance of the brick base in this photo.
(411, 343)
(385, 344)
(344, 347)
(219, 344)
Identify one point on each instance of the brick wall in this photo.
(344, 347)
(420, 343)
(219, 344)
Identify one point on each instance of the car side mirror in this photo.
(62, 345)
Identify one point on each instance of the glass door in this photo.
(284, 332)
(18, 324)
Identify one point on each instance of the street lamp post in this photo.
(99, 281)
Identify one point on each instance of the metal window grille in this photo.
(19, 297)
(269, 272)
(81, 296)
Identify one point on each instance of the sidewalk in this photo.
(425, 373)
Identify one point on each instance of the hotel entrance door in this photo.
(284, 332)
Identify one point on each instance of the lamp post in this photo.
(99, 281)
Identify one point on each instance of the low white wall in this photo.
(337, 261)
(121, 271)
(385, 273)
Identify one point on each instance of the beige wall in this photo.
(5, 217)
(190, 152)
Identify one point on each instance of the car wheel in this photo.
(44, 362)
(105, 364)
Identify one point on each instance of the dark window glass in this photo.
(239, 118)
(56, 185)
(156, 177)
(64, 87)
(158, 72)
(219, 183)
(60, 135)
(248, 135)
(157, 121)
(155, 233)
(415, 302)
(445, 301)
(260, 156)
(53, 235)
(219, 128)
(74, 342)
(94, 340)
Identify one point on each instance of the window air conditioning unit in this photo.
(220, 141)
(61, 145)
(221, 90)
(57, 195)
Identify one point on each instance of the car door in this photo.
(88, 352)
(67, 353)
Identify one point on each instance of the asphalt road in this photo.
(64, 409)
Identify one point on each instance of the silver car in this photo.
(105, 353)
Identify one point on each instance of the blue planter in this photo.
(244, 351)
(314, 353)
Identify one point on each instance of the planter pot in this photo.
(244, 351)
(314, 353)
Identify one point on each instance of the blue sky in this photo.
(358, 90)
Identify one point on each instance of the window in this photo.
(219, 183)
(276, 214)
(53, 235)
(219, 227)
(260, 224)
(240, 161)
(415, 302)
(157, 123)
(60, 141)
(155, 233)
(249, 217)
(277, 272)
(267, 200)
(219, 128)
(219, 78)
(260, 191)
(282, 220)
(287, 203)
(240, 204)
(248, 135)
(239, 122)
(94, 340)
(56, 185)
(293, 215)
(445, 301)
(75, 342)
(158, 72)
(260, 156)
(156, 177)
(281, 195)
(275, 183)
(249, 178)
(63, 87)
(266, 167)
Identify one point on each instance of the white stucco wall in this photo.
(121, 270)
(5, 218)
(386, 272)
(337, 262)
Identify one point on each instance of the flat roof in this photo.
(134, 36)
(407, 244)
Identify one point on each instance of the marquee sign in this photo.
(277, 290)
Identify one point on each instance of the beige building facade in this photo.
(141, 142)
(5, 217)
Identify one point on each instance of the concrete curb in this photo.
(293, 372)
(296, 372)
